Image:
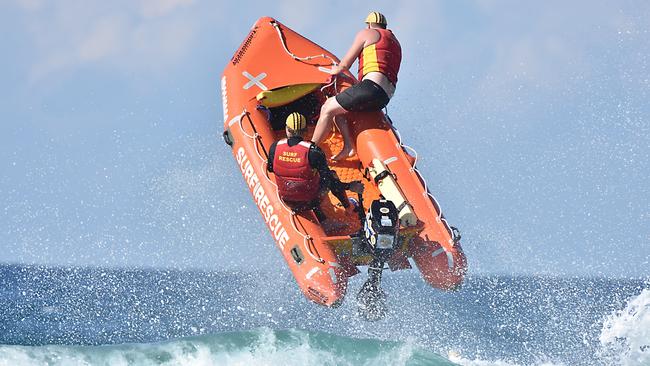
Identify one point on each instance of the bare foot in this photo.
(346, 152)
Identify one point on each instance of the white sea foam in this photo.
(262, 347)
(626, 333)
(176, 354)
(172, 355)
(457, 358)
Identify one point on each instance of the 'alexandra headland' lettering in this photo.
(242, 50)
(224, 99)
(261, 199)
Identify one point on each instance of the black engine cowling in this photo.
(381, 228)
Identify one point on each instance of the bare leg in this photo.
(328, 111)
(348, 142)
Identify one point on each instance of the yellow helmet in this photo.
(376, 17)
(296, 121)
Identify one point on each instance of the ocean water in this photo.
(89, 316)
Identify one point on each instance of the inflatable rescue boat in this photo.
(277, 71)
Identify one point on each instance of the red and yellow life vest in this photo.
(297, 181)
(383, 56)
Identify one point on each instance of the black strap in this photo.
(455, 234)
(381, 176)
(401, 207)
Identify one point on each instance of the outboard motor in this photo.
(380, 234)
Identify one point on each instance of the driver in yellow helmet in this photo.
(301, 172)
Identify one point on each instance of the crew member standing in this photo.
(380, 56)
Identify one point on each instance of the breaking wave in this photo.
(625, 336)
(263, 346)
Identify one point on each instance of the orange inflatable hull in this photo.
(273, 57)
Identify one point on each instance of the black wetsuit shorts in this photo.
(365, 96)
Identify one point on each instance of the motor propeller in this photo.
(371, 299)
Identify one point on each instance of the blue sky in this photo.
(531, 120)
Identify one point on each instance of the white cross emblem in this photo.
(254, 80)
